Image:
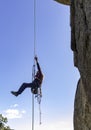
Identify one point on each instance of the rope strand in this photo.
(33, 75)
(32, 112)
(34, 28)
(40, 114)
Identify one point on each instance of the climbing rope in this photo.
(39, 94)
(34, 28)
(40, 113)
(33, 74)
(33, 69)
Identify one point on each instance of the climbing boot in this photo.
(14, 93)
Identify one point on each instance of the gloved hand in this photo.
(36, 58)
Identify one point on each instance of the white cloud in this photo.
(14, 112)
(23, 111)
(15, 105)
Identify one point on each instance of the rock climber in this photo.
(36, 83)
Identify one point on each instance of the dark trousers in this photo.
(33, 85)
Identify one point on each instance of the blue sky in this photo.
(55, 57)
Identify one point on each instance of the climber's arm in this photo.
(38, 66)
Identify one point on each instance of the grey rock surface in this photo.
(81, 47)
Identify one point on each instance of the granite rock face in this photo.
(81, 47)
(82, 109)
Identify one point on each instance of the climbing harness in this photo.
(38, 95)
